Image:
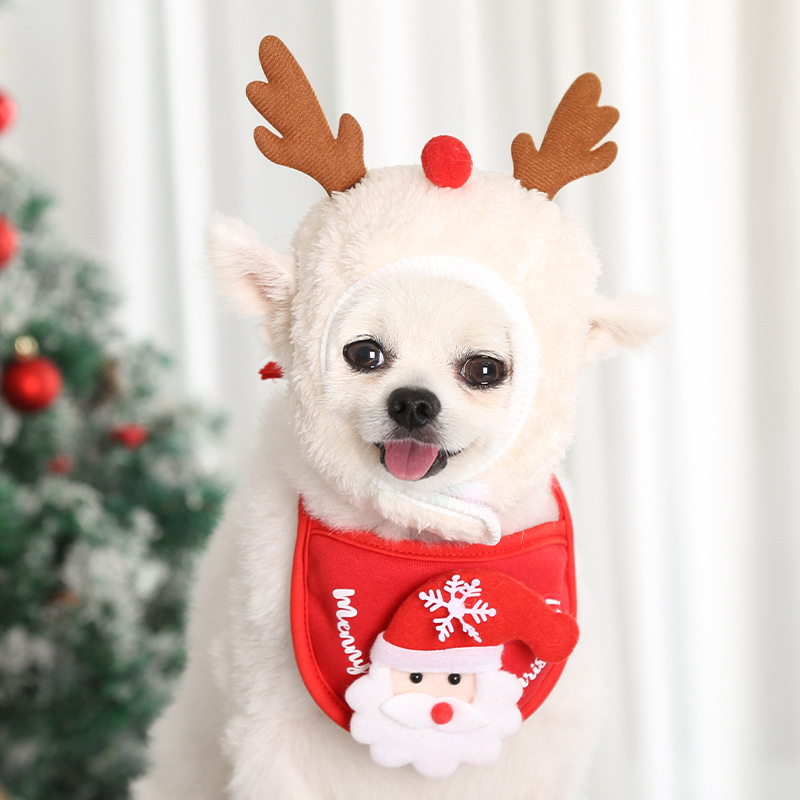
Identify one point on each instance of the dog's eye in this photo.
(415, 677)
(483, 371)
(364, 355)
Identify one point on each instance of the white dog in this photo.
(432, 326)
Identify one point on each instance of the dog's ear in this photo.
(629, 321)
(259, 280)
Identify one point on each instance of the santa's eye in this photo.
(454, 678)
(481, 371)
(364, 355)
(415, 677)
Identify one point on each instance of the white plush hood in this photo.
(512, 244)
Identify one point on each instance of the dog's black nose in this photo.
(413, 408)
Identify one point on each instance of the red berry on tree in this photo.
(131, 436)
(61, 464)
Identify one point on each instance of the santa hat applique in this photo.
(460, 623)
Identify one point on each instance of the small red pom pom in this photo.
(131, 436)
(31, 384)
(271, 370)
(8, 111)
(442, 713)
(446, 162)
(9, 241)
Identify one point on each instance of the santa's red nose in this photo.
(442, 713)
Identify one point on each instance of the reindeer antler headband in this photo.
(306, 142)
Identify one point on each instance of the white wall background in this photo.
(687, 463)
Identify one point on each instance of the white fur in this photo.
(626, 321)
(242, 725)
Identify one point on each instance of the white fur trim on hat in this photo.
(452, 659)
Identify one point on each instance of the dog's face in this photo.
(420, 373)
(432, 339)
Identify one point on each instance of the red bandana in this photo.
(347, 585)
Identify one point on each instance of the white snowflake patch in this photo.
(459, 592)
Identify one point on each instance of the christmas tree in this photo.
(103, 508)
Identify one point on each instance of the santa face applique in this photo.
(436, 695)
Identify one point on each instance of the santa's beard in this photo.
(400, 729)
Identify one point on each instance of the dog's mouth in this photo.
(411, 459)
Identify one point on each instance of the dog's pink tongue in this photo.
(408, 459)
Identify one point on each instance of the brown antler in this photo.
(566, 154)
(306, 142)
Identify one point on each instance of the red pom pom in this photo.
(442, 713)
(131, 436)
(9, 241)
(446, 162)
(8, 111)
(31, 384)
(270, 371)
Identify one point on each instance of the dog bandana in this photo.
(348, 585)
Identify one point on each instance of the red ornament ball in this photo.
(446, 162)
(131, 436)
(31, 384)
(8, 111)
(9, 241)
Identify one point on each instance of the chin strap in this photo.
(450, 517)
